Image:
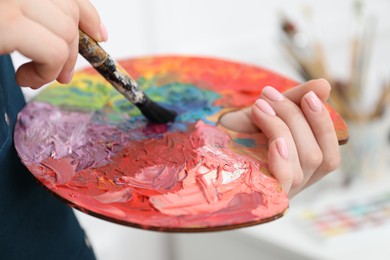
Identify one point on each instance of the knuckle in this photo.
(43, 77)
(74, 10)
(59, 55)
(55, 60)
(331, 163)
(291, 112)
(316, 159)
(285, 178)
(70, 31)
(312, 160)
(297, 180)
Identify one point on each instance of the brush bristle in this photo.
(156, 113)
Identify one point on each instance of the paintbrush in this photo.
(309, 56)
(122, 81)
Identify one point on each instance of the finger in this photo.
(275, 129)
(241, 120)
(67, 71)
(47, 59)
(309, 152)
(320, 87)
(69, 8)
(278, 163)
(323, 130)
(90, 21)
(53, 19)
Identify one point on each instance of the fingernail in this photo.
(313, 101)
(272, 94)
(265, 107)
(281, 146)
(103, 32)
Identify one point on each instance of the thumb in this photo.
(90, 21)
(241, 120)
(320, 87)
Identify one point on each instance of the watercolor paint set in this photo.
(357, 215)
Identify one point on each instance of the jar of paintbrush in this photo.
(365, 158)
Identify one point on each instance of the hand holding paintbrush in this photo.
(118, 77)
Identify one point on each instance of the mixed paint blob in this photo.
(92, 148)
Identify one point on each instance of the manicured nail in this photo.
(281, 146)
(272, 94)
(313, 101)
(265, 107)
(103, 32)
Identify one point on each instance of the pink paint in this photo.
(215, 180)
(63, 169)
(204, 179)
(94, 152)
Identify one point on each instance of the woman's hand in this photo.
(46, 32)
(303, 145)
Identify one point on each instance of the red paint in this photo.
(198, 180)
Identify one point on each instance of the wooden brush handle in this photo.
(91, 50)
(121, 80)
(111, 71)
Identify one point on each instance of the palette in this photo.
(93, 149)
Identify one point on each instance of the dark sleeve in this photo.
(33, 224)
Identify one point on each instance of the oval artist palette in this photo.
(92, 148)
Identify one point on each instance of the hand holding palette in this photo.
(92, 148)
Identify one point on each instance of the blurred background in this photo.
(344, 216)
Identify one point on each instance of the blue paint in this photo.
(245, 142)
